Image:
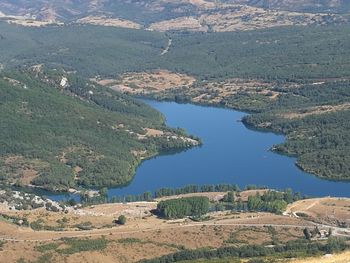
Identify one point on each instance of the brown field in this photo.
(241, 18)
(106, 21)
(217, 196)
(220, 92)
(151, 237)
(146, 236)
(180, 24)
(213, 196)
(338, 258)
(33, 23)
(20, 169)
(164, 83)
(316, 111)
(148, 82)
(201, 3)
(323, 210)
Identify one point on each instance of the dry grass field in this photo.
(229, 18)
(147, 236)
(323, 210)
(148, 82)
(107, 21)
(316, 111)
(338, 258)
(151, 238)
(166, 83)
(26, 22)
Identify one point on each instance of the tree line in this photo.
(298, 248)
(195, 206)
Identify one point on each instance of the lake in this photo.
(231, 153)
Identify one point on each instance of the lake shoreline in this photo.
(178, 111)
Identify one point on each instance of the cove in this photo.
(231, 153)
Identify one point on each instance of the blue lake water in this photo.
(231, 154)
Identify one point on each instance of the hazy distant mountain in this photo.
(46, 9)
(181, 15)
(63, 10)
(333, 6)
(151, 10)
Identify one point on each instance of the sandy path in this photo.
(166, 50)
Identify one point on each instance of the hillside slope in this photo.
(68, 9)
(59, 131)
(331, 6)
(179, 15)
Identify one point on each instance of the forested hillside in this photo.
(90, 50)
(274, 54)
(154, 10)
(59, 131)
(288, 75)
(316, 120)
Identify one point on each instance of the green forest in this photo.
(195, 206)
(321, 142)
(292, 249)
(272, 54)
(282, 56)
(53, 131)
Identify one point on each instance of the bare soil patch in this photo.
(242, 18)
(146, 236)
(21, 169)
(213, 196)
(329, 210)
(165, 84)
(228, 18)
(107, 21)
(179, 24)
(316, 111)
(33, 23)
(148, 82)
(335, 258)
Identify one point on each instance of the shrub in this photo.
(122, 220)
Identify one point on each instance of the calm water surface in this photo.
(231, 153)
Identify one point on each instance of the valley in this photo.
(161, 131)
(179, 15)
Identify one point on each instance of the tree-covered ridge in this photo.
(314, 116)
(89, 50)
(316, 120)
(285, 53)
(153, 10)
(303, 67)
(81, 134)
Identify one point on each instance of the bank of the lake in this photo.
(231, 153)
